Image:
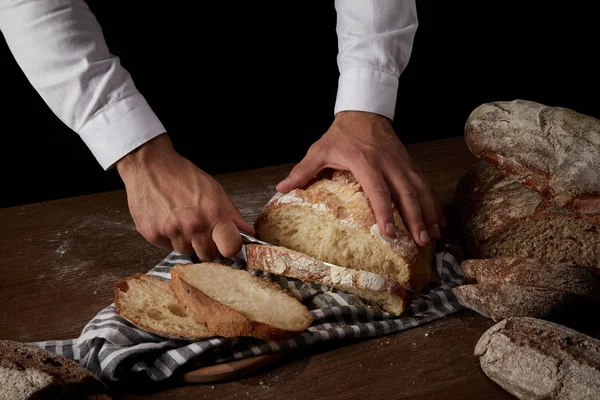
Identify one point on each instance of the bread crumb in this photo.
(212, 387)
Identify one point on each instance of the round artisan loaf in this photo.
(553, 150)
(30, 373)
(536, 359)
(499, 216)
(331, 219)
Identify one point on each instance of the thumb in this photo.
(303, 172)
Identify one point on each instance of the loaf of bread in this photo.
(504, 300)
(499, 216)
(233, 302)
(566, 276)
(331, 219)
(28, 373)
(535, 359)
(148, 302)
(553, 150)
(377, 290)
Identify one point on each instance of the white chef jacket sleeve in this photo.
(60, 47)
(375, 39)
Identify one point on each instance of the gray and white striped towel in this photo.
(113, 349)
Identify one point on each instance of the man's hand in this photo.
(366, 145)
(175, 205)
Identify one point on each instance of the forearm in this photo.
(60, 48)
(375, 39)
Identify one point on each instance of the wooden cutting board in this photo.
(233, 370)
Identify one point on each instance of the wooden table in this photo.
(60, 259)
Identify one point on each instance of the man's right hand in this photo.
(176, 205)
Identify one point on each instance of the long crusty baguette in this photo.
(331, 219)
(535, 359)
(553, 150)
(504, 300)
(149, 303)
(28, 373)
(501, 217)
(233, 302)
(564, 276)
(386, 293)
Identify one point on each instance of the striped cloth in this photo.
(112, 348)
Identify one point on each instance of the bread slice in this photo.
(28, 372)
(233, 302)
(504, 300)
(535, 359)
(378, 290)
(499, 217)
(148, 302)
(552, 150)
(331, 219)
(565, 276)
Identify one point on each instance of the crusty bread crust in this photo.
(122, 285)
(504, 300)
(336, 193)
(490, 203)
(565, 276)
(222, 320)
(293, 264)
(55, 376)
(536, 359)
(552, 150)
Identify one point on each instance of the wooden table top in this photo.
(60, 259)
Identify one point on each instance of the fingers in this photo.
(237, 218)
(204, 246)
(302, 172)
(226, 237)
(379, 196)
(408, 200)
(430, 207)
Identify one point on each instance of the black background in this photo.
(242, 85)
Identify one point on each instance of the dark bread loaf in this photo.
(553, 150)
(501, 217)
(568, 277)
(537, 359)
(504, 300)
(28, 372)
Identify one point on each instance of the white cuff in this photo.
(361, 89)
(120, 129)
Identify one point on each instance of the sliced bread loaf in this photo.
(501, 217)
(535, 359)
(553, 150)
(149, 303)
(331, 219)
(233, 302)
(28, 373)
(377, 290)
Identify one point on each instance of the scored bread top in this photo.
(553, 150)
(337, 193)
